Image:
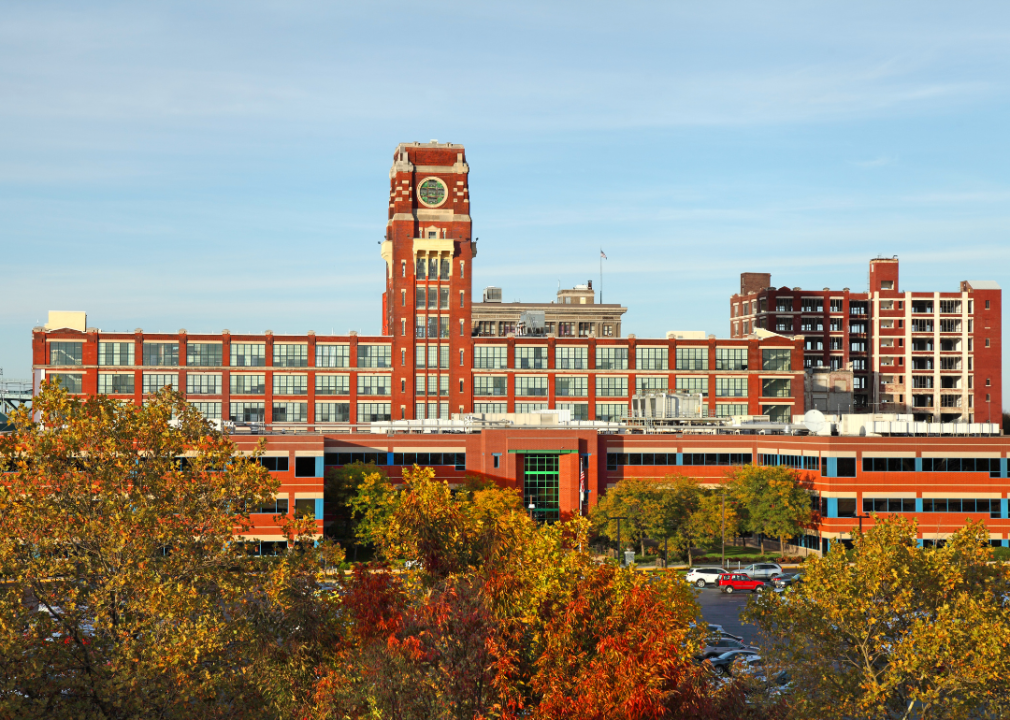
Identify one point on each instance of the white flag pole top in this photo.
(603, 256)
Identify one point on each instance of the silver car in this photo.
(762, 571)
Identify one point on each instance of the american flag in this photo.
(603, 255)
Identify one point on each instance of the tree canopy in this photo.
(126, 592)
(892, 630)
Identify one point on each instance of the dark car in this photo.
(784, 581)
(723, 664)
(716, 646)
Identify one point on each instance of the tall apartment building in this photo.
(431, 360)
(934, 354)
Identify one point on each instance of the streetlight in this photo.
(723, 529)
(532, 507)
(860, 518)
(618, 519)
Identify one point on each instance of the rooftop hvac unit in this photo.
(667, 406)
(492, 294)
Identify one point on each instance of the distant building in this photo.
(937, 355)
(575, 314)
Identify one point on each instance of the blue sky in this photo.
(225, 165)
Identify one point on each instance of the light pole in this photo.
(618, 519)
(532, 508)
(723, 527)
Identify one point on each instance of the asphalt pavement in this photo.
(722, 609)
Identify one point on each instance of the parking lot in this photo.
(722, 609)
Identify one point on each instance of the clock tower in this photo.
(426, 304)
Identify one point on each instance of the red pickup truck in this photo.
(739, 581)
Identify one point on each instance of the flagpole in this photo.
(601, 276)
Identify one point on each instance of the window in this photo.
(419, 268)
(443, 298)
(444, 272)
(730, 409)
(835, 305)
(531, 386)
(461, 358)
(375, 356)
(71, 382)
(611, 358)
(692, 385)
(779, 387)
(531, 358)
(986, 304)
(117, 383)
(373, 412)
(333, 356)
(776, 359)
(571, 358)
(291, 384)
(333, 412)
(566, 386)
(65, 353)
(951, 306)
(461, 328)
(420, 302)
(433, 384)
(490, 357)
(579, 411)
(953, 464)
(333, 385)
(611, 386)
(846, 468)
(611, 412)
(210, 410)
(530, 407)
(275, 464)
(419, 386)
(692, 358)
(291, 412)
(715, 458)
(443, 388)
(248, 355)
(115, 353)
(403, 268)
(651, 383)
(248, 384)
(374, 385)
(247, 412)
(203, 383)
(161, 354)
(652, 358)
(433, 298)
(461, 298)
(153, 382)
(443, 356)
(291, 355)
(487, 385)
(731, 358)
(497, 460)
(492, 408)
(204, 354)
(731, 387)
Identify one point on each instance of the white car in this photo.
(702, 576)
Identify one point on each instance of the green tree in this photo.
(679, 500)
(126, 590)
(774, 501)
(340, 488)
(637, 502)
(372, 505)
(714, 518)
(891, 630)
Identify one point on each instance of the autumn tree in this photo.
(126, 589)
(504, 618)
(774, 501)
(892, 630)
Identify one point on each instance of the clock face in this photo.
(432, 192)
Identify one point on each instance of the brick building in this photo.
(314, 396)
(935, 354)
